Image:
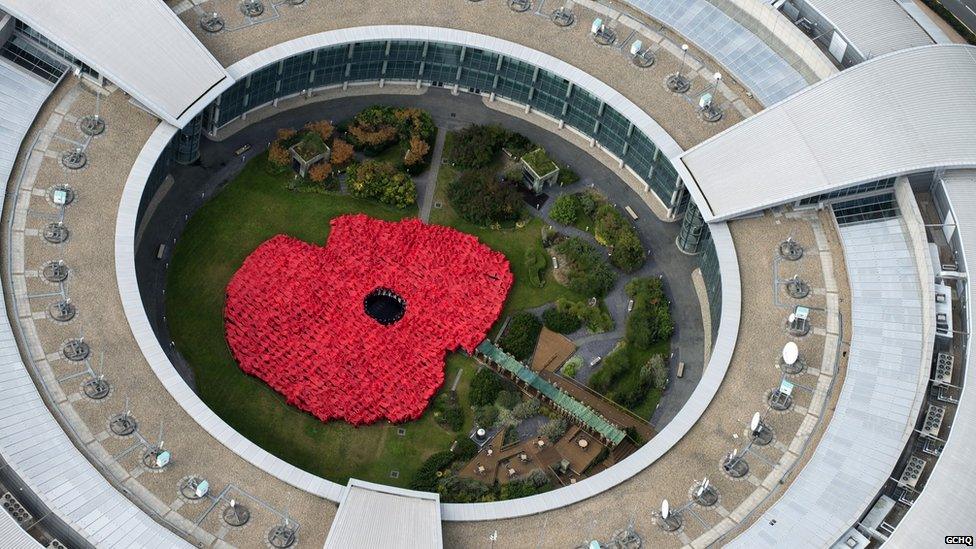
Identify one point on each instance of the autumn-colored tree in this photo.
(342, 153)
(373, 137)
(418, 150)
(320, 172)
(278, 155)
(285, 134)
(322, 127)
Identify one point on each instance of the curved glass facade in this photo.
(471, 70)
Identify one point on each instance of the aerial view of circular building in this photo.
(575, 274)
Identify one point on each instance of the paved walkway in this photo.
(427, 181)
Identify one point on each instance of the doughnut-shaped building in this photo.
(815, 161)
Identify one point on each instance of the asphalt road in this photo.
(965, 10)
(195, 184)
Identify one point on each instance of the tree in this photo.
(521, 335)
(562, 322)
(554, 429)
(476, 146)
(657, 371)
(426, 476)
(278, 155)
(342, 153)
(323, 128)
(485, 416)
(465, 449)
(628, 253)
(526, 409)
(320, 172)
(507, 399)
(566, 209)
(479, 198)
(417, 152)
(485, 387)
(585, 269)
(383, 182)
(284, 134)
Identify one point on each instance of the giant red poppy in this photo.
(296, 316)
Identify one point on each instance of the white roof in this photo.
(32, 442)
(878, 404)
(12, 535)
(873, 27)
(904, 112)
(21, 96)
(373, 515)
(948, 500)
(140, 45)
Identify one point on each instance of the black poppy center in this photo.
(384, 306)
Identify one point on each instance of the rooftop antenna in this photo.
(92, 124)
(705, 495)
(519, 6)
(236, 514)
(760, 433)
(669, 522)
(642, 57)
(677, 82)
(706, 102)
(602, 34)
(212, 22)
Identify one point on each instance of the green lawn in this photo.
(253, 208)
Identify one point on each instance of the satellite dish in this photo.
(594, 544)
(705, 100)
(665, 509)
(636, 47)
(790, 351)
(701, 488)
(792, 317)
(597, 24)
(684, 47)
(733, 453)
(705, 484)
(718, 76)
(754, 424)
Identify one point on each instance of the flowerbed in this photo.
(295, 315)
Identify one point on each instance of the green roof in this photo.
(540, 163)
(581, 412)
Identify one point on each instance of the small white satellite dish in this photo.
(718, 76)
(792, 317)
(596, 26)
(636, 47)
(790, 351)
(754, 424)
(733, 453)
(684, 47)
(665, 509)
(701, 488)
(705, 484)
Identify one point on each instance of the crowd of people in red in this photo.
(295, 317)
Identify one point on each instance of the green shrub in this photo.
(611, 369)
(562, 322)
(448, 412)
(526, 409)
(596, 319)
(567, 209)
(465, 449)
(511, 436)
(655, 372)
(554, 429)
(612, 229)
(476, 146)
(383, 182)
(521, 335)
(485, 416)
(567, 176)
(572, 366)
(507, 399)
(518, 145)
(455, 489)
(485, 387)
(537, 263)
(628, 252)
(518, 489)
(481, 199)
(650, 320)
(426, 478)
(586, 270)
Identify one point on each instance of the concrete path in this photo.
(427, 181)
